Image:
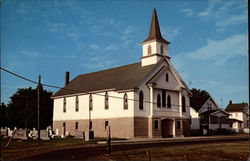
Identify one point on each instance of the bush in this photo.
(222, 131)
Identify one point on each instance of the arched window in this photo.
(149, 50)
(158, 100)
(183, 104)
(64, 104)
(141, 100)
(77, 104)
(167, 77)
(162, 50)
(90, 102)
(169, 101)
(106, 100)
(125, 101)
(163, 98)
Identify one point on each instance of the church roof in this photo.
(119, 78)
(155, 32)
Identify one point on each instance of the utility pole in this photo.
(38, 107)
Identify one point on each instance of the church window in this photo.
(149, 50)
(169, 101)
(125, 101)
(141, 100)
(106, 100)
(158, 100)
(167, 77)
(163, 98)
(162, 50)
(64, 104)
(90, 102)
(183, 104)
(77, 104)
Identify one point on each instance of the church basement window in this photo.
(76, 125)
(156, 124)
(178, 125)
(106, 124)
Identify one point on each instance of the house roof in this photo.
(236, 107)
(198, 103)
(119, 78)
(155, 32)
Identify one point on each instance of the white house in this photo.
(145, 99)
(206, 115)
(239, 116)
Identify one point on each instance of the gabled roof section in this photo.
(210, 98)
(198, 103)
(236, 107)
(155, 32)
(119, 78)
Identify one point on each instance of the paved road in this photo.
(89, 153)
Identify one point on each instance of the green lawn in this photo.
(214, 151)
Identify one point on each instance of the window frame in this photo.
(167, 77)
(77, 104)
(64, 105)
(76, 125)
(158, 100)
(106, 124)
(125, 101)
(162, 50)
(90, 102)
(183, 101)
(169, 101)
(106, 101)
(163, 98)
(141, 100)
(149, 50)
(178, 125)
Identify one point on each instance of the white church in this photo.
(146, 99)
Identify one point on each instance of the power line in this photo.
(53, 86)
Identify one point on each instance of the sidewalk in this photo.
(179, 139)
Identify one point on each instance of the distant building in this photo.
(239, 115)
(146, 99)
(207, 116)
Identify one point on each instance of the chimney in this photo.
(230, 101)
(66, 78)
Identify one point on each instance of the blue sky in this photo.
(209, 43)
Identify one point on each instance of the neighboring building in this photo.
(146, 99)
(239, 116)
(206, 116)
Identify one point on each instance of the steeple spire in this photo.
(155, 32)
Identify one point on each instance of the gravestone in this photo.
(79, 134)
(21, 134)
(44, 135)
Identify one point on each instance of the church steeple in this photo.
(155, 47)
(155, 32)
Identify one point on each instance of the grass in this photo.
(214, 151)
(19, 148)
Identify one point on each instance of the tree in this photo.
(22, 109)
(199, 97)
(3, 111)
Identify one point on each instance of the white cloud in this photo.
(187, 11)
(221, 50)
(111, 47)
(169, 32)
(94, 46)
(30, 53)
(232, 20)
